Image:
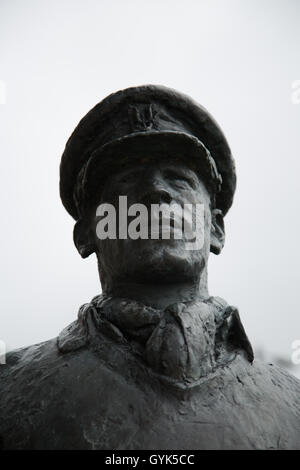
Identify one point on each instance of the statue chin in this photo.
(165, 264)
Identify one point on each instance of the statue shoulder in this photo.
(282, 382)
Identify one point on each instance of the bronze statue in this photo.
(154, 362)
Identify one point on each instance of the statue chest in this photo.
(95, 400)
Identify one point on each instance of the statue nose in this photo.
(159, 196)
(156, 193)
(155, 190)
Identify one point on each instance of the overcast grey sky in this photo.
(238, 58)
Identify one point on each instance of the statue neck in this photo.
(160, 295)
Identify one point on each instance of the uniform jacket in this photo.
(126, 376)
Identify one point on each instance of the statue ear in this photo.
(217, 235)
(83, 239)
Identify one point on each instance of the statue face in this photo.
(147, 182)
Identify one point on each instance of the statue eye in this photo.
(178, 179)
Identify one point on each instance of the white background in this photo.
(238, 58)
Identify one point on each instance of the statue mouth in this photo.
(174, 227)
(166, 233)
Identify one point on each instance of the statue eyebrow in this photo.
(185, 174)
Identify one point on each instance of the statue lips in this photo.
(171, 225)
(166, 231)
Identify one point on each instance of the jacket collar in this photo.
(184, 342)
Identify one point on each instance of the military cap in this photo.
(144, 118)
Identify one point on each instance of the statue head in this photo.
(144, 173)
